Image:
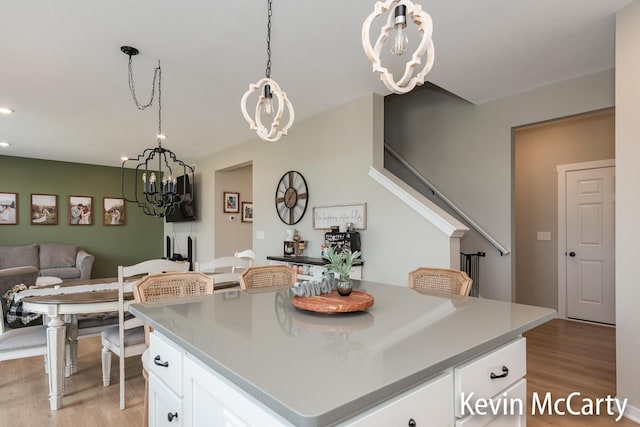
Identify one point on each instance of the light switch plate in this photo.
(260, 235)
(544, 235)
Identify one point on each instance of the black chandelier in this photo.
(156, 168)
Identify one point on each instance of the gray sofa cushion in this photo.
(54, 256)
(62, 273)
(19, 256)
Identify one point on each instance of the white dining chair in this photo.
(222, 269)
(21, 342)
(247, 254)
(127, 339)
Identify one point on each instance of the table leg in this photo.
(55, 354)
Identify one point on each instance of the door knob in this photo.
(572, 254)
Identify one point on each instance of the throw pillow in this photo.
(14, 315)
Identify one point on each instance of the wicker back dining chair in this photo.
(440, 280)
(267, 276)
(167, 287)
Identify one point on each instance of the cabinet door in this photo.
(165, 408)
(428, 405)
(489, 374)
(516, 414)
(210, 400)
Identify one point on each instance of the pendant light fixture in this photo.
(272, 101)
(155, 185)
(397, 18)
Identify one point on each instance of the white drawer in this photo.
(507, 364)
(165, 361)
(165, 408)
(429, 404)
(517, 412)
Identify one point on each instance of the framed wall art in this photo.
(8, 208)
(113, 210)
(247, 211)
(44, 209)
(231, 202)
(80, 210)
(325, 217)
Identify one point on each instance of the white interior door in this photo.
(590, 255)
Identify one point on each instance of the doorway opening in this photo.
(233, 231)
(538, 150)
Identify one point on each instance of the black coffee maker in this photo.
(340, 240)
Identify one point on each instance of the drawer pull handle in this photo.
(171, 416)
(157, 361)
(412, 422)
(505, 372)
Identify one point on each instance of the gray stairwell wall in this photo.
(465, 150)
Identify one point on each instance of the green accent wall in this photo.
(138, 240)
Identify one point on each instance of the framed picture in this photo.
(247, 211)
(113, 210)
(325, 217)
(231, 202)
(80, 210)
(44, 209)
(8, 208)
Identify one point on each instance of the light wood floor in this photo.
(562, 357)
(565, 356)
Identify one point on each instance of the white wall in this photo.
(465, 150)
(628, 204)
(333, 151)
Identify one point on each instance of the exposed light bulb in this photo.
(268, 101)
(399, 39)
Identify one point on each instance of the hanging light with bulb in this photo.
(272, 101)
(157, 168)
(396, 27)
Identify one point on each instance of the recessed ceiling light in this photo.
(6, 110)
(4, 144)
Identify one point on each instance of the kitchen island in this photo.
(254, 359)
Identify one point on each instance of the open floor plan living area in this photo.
(308, 214)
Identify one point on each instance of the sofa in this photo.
(66, 262)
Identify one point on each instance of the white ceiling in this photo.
(62, 71)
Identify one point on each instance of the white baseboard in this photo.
(632, 413)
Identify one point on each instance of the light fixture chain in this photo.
(269, 13)
(132, 88)
(159, 74)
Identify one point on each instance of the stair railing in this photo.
(449, 203)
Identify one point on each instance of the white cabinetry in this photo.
(429, 404)
(165, 365)
(184, 392)
(314, 271)
(497, 376)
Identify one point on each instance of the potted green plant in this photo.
(340, 262)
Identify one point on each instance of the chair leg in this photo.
(106, 366)
(122, 380)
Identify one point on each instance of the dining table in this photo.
(62, 305)
(55, 307)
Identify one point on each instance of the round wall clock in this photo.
(291, 197)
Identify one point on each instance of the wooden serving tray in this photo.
(334, 302)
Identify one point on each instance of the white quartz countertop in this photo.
(317, 370)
